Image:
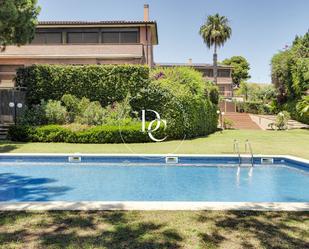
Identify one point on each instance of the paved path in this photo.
(263, 122)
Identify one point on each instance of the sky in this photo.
(260, 27)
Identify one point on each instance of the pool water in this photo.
(24, 182)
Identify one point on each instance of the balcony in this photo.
(69, 51)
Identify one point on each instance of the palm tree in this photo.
(215, 32)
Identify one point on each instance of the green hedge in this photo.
(98, 134)
(179, 94)
(104, 83)
(254, 107)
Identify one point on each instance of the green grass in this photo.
(163, 229)
(293, 142)
(154, 230)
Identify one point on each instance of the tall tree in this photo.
(215, 32)
(18, 19)
(240, 70)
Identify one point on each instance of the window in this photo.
(83, 37)
(110, 37)
(120, 37)
(47, 38)
(207, 72)
(129, 37)
(225, 73)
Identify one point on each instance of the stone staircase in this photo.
(242, 121)
(4, 131)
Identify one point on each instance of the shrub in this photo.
(21, 133)
(228, 123)
(178, 94)
(295, 112)
(212, 92)
(55, 113)
(303, 106)
(99, 134)
(282, 120)
(254, 107)
(72, 105)
(34, 116)
(104, 83)
(93, 115)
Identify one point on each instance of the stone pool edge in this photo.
(152, 206)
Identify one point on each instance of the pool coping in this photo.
(153, 205)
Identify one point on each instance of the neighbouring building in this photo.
(79, 42)
(225, 82)
(103, 42)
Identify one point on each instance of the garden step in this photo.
(242, 121)
(4, 128)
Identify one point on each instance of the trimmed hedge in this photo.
(180, 95)
(104, 83)
(98, 134)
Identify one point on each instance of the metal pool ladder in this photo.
(236, 150)
(248, 148)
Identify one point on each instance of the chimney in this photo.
(146, 12)
(190, 61)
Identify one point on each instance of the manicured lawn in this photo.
(154, 230)
(294, 142)
(163, 229)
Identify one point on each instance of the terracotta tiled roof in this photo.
(94, 22)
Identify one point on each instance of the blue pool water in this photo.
(98, 182)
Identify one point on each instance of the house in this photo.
(80, 42)
(103, 42)
(224, 81)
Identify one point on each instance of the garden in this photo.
(289, 93)
(103, 104)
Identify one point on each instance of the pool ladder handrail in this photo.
(236, 150)
(248, 148)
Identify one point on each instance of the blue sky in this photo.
(260, 27)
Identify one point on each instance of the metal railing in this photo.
(248, 148)
(236, 150)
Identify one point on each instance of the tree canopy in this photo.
(18, 19)
(290, 69)
(264, 93)
(290, 75)
(241, 69)
(216, 30)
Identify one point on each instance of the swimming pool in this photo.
(149, 179)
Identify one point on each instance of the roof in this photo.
(121, 23)
(98, 51)
(196, 65)
(94, 22)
